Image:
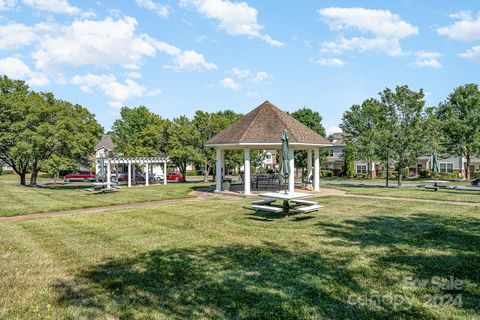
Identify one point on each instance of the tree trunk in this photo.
(205, 174)
(399, 178)
(183, 170)
(23, 179)
(388, 171)
(33, 177)
(467, 173)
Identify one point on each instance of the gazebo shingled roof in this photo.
(265, 125)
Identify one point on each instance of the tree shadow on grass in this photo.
(423, 245)
(248, 282)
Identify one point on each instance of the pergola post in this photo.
(129, 175)
(309, 167)
(108, 175)
(246, 171)
(165, 173)
(218, 172)
(291, 177)
(316, 174)
(146, 174)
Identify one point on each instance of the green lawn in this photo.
(17, 200)
(216, 259)
(411, 192)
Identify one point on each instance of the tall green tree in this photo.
(459, 117)
(62, 130)
(140, 133)
(208, 125)
(361, 125)
(406, 126)
(184, 144)
(15, 110)
(313, 120)
(349, 160)
(35, 127)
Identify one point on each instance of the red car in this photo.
(85, 176)
(173, 176)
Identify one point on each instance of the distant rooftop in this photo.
(105, 142)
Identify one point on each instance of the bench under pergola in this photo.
(262, 129)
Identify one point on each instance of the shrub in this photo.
(405, 173)
(361, 176)
(1, 170)
(450, 175)
(476, 175)
(425, 174)
(326, 173)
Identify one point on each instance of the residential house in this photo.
(5, 167)
(335, 161)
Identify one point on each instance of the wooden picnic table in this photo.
(296, 197)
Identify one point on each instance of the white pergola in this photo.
(129, 161)
(262, 129)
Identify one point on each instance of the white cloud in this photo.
(251, 94)
(361, 44)
(334, 62)
(387, 30)
(107, 42)
(472, 54)
(466, 28)
(381, 23)
(427, 59)
(229, 83)
(235, 18)
(102, 43)
(15, 35)
(160, 10)
(332, 129)
(261, 76)
(116, 91)
(191, 60)
(54, 6)
(133, 75)
(17, 69)
(7, 4)
(240, 73)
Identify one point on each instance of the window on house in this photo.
(446, 167)
(361, 168)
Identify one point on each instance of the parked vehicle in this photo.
(85, 176)
(174, 176)
(476, 182)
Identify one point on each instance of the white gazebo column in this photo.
(165, 172)
(291, 177)
(108, 175)
(129, 173)
(146, 174)
(309, 167)
(316, 171)
(246, 171)
(218, 169)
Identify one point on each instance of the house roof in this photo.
(264, 125)
(337, 138)
(105, 142)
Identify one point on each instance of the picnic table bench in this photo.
(103, 187)
(298, 205)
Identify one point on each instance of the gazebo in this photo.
(262, 129)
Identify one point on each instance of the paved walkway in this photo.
(196, 196)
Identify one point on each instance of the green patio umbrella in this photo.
(435, 168)
(285, 169)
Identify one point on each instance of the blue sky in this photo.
(179, 56)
